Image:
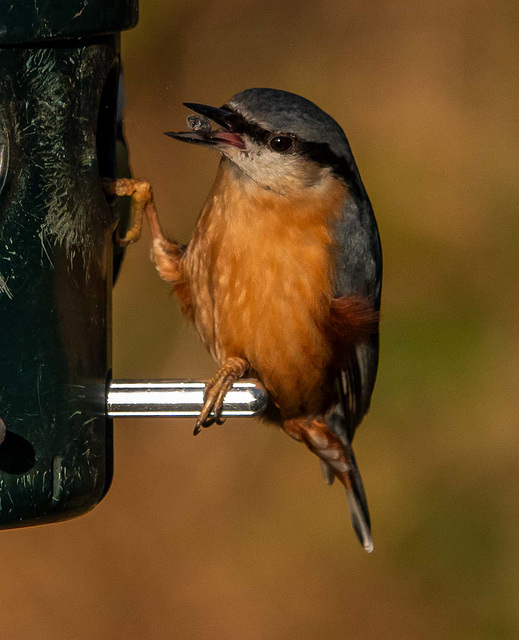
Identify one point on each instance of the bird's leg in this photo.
(166, 255)
(232, 369)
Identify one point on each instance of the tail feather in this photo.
(344, 466)
(357, 504)
(330, 443)
(359, 523)
(350, 478)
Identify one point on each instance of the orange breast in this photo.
(259, 272)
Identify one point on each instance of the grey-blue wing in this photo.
(357, 274)
(358, 254)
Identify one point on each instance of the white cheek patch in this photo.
(284, 173)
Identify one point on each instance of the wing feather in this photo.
(357, 281)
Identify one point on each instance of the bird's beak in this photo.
(219, 137)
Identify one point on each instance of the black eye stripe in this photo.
(240, 124)
(319, 152)
(342, 167)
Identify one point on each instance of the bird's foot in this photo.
(166, 255)
(215, 391)
(142, 198)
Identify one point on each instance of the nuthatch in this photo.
(282, 277)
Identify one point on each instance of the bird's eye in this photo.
(281, 144)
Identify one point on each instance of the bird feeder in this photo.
(60, 131)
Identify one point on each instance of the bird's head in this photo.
(280, 140)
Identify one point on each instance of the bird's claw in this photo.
(213, 403)
(208, 422)
(215, 392)
(125, 240)
(211, 411)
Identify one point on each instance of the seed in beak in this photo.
(198, 123)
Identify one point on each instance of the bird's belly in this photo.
(268, 306)
(282, 341)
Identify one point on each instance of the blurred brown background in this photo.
(233, 535)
